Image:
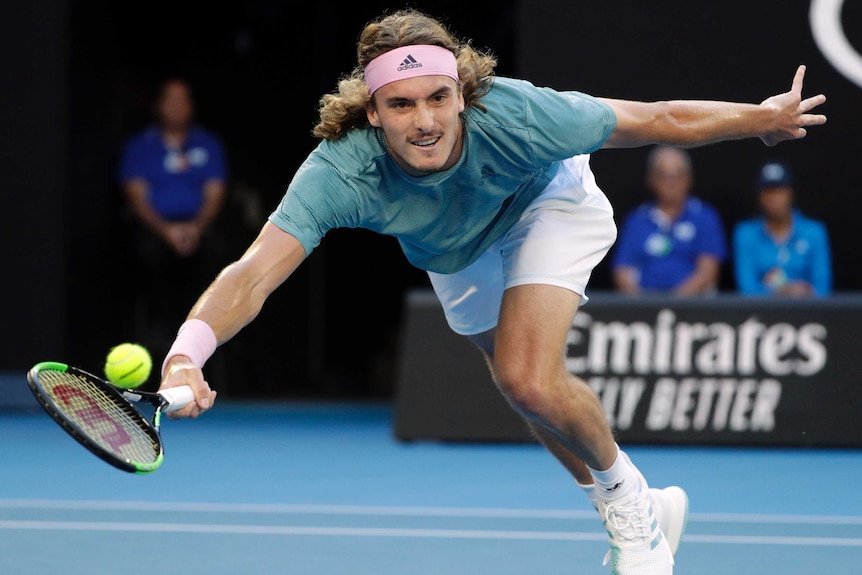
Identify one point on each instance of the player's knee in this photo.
(526, 389)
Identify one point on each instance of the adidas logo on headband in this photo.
(408, 63)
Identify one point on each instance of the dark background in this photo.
(79, 77)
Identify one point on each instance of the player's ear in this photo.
(371, 112)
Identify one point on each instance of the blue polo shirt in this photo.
(175, 177)
(665, 252)
(804, 255)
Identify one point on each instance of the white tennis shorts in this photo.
(562, 236)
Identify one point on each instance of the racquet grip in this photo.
(177, 397)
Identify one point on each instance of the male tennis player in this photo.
(486, 184)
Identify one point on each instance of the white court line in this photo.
(400, 532)
(294, 509)
(301, 530)
(370, 510)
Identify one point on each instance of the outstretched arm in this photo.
(232, 301)
(690, 123)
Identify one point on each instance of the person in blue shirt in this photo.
(485, 183)
(675, 243)
(173, 174)
(781, 252)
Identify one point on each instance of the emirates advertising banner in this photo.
(734, 371)
(725, 370)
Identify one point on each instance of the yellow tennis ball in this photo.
(128, 365)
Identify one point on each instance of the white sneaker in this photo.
(671, 508)
(638, 546)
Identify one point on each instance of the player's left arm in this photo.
(690, 123)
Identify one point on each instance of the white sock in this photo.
(618, 480)
(590, 492)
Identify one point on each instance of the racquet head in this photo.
(99, 417)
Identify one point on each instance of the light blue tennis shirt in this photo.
(763, 264)
(446, 220)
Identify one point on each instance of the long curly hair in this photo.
(344, 110)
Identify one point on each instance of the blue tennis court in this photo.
(325, 489)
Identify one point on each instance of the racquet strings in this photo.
(107, 421)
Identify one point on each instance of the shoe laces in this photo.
(629, 523)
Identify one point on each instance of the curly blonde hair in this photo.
(344, 110)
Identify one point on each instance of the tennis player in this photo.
(485, 182)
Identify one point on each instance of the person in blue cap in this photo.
(781, 252)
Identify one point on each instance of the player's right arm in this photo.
(232, 301)
(690, 123)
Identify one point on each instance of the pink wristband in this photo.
(195, 340)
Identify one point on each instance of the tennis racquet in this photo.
(102, 417)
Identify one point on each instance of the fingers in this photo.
(201, 404)
(812, 102)
(204, 399)
(808, 103)
(797, 80)
(181, 371)
(813, 119)
(195, 409)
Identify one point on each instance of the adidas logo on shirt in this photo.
(408, 63)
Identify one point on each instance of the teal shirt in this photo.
(444, 221)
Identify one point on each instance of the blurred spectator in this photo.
(675, 243)
(173, 175)
(781, 252)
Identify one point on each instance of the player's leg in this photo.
(573, 464)
(529, 368)
(625, 511)
(670, 503)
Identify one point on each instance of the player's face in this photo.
(421, 121)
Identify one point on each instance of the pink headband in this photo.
(409, 62)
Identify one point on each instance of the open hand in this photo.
(793, 112)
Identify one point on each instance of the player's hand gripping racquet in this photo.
(102, 418)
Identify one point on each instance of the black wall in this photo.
(33, 181)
